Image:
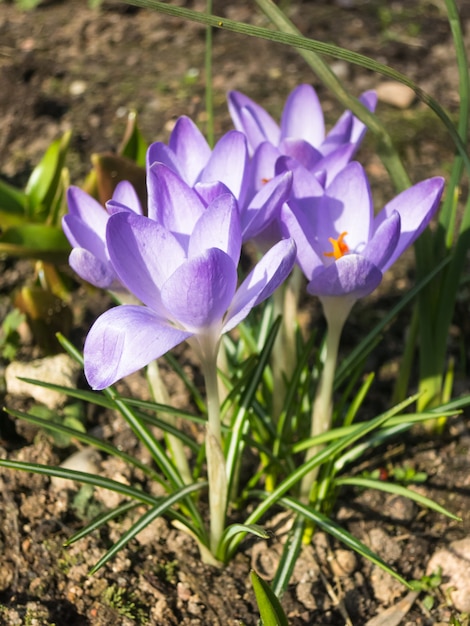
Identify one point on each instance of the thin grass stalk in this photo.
(386, 149)
(436, 312)
(208, 80)
(174, 444)
(304, 43)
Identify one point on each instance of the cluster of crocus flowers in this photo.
(292, 188)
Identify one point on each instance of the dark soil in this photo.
(64, 66)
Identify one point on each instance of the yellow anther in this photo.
(340, 247)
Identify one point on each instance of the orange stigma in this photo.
(340, 247)
(265, 180)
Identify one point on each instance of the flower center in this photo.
(340, 247)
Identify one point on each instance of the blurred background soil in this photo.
(65, 66)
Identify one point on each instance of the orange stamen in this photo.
(340, 247)
(265, 180)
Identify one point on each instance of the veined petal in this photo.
(347, 208)
(200, 291)
(159, 152)
(85, 208)
(369, 100)
(298, 224)
(208, 192)
(253, 120)
(301, 151)
(82, 235)
(352, 275)
(144, 255)
(334, 162)
(191, 149)
(262, 166)
(339, 134)
(302, 117)
(123, 340)
(172, 202)
(416, 207)
(266, 205)
(92, 269)
(262, 281)
(228, 162)
(218, 227)
(124, 198)
(384, 241)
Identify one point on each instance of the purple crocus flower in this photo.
(187, 284)
(85, 228)
(342, 248)
(225, 168)
(301, 134)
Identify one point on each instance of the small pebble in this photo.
(394, 93)
(454, 560)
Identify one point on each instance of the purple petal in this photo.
(262, 281)
(159, 152)
(369, 100)
(208, 192)
(253, 120)
(349, 129)
(347, 208)
(199, 292)
(339, 134)
(384, 241)
(416, 207)
(191, 149)
(95, 271)
(266, 205)
(301, 151)
(352, 275)
(298, 225)
(262, 166)
(302, 117)
(172, 202)
(123, 340)
(82, 235)
(218, 227)
(124, 198)
(334, 162)
(228, 162)
(144, 255)
(85, 208)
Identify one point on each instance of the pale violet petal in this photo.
(191, 149)
(253, 120)
(263, 280)
(384, 241)
(351, 275)
(144, 255)
(218, 227)
(302, 117)
(200, 291)
(125, 339)
(416, 207)
(228, 163)
(266, 205)
(95, 271)
(172, 202)
(83, 207)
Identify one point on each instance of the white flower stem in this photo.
(216, 470)
(336, 311)
(174, 444)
